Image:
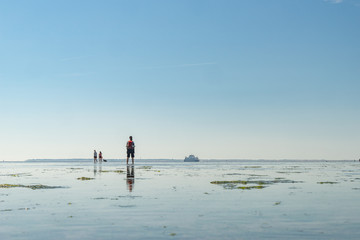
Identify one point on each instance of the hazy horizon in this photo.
(143, 160)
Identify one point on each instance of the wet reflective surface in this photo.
(177, 200)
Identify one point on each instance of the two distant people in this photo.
(130, 150)
(96, 156)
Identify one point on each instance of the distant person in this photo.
(130, 150)
(100, 157)
(95, 156)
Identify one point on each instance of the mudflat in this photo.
(176, 200)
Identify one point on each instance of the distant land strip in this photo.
(177, 160)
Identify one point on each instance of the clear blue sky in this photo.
(266, 79)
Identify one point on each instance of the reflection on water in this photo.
(130, 177)
(176, 200)
(97, 169)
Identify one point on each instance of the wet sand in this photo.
(176, 200)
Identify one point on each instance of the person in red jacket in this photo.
(130, 150)
(100, 157)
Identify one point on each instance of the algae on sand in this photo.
(227, 182)
(17, 175)
(85, 178)
(327, 182)
(254, 184)
(145, 167)
(251, 187)
(243, 184)
(33, 187)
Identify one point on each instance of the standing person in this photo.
(95, 156)
(100, 157)
(130, 150)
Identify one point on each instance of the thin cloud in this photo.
(334, 1)
(355, 3)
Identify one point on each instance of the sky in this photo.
(229, 79)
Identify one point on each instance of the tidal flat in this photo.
(170, 199)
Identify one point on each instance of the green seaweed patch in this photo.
(327, 182)
(252, 166)
(228, 182)
(145, 167)
(172, 234)
(259, 182)
(286, 181)
(291, 167)
(24, 209)
(17, 174)
(33, 187)
(251, 184)
(277, 203)
(256, 175)
(251, 187)
(100, 198)
(85, 178)
(6, 210)
(126, 206)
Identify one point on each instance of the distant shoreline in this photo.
(181, 160)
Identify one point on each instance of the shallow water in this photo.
(177, 200)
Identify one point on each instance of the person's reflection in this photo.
(130, 177)
(97, 171)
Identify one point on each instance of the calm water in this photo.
(177, 200)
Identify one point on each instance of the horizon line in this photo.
(176, 159)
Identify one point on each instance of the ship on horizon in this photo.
(191, 158)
